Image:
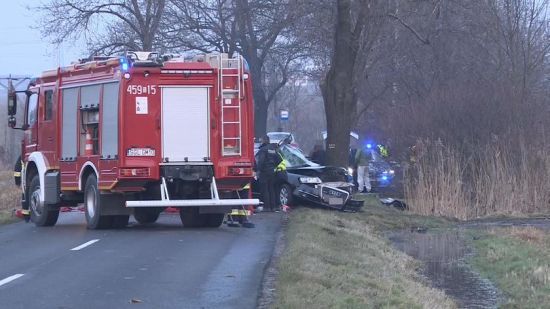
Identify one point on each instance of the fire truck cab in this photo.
(135, 134)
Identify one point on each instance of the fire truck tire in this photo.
(146, 215)
(120, 221)
(92, 206)
(190, 217)
(41, 214)
(214, 220)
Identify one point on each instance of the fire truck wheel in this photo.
(41, 214)
(120, 221)
(146, 215)
(92, 206)
(214, 220)
(190, 217)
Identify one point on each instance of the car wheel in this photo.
(41, 214)
(92, 206)
(285, 195)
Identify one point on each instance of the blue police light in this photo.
(369, 145)
(384, 178)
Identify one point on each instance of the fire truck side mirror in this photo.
(12, 103)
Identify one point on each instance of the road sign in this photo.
(284, 114)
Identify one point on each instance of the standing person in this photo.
(362, 158)
(267, 161)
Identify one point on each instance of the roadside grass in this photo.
(382, 218)
(9, 197)
(341, 260)
(516, 260)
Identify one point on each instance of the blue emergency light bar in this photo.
(124, 64)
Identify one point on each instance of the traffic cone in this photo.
(89, 150)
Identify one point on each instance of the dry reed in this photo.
(495, 180)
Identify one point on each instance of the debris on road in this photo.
(397, 204)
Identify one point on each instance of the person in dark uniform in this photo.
(318, 154)
(267, 161)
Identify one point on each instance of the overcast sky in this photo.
(22, 50)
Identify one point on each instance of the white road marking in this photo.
(84, 245)
(10, 279)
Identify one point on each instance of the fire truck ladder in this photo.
(231, 94)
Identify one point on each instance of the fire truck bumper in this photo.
(165, 200)
(194, 203)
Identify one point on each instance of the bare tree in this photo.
(260, 30)
(108, 25)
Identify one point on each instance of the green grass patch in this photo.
(340, 260)
(517, 261)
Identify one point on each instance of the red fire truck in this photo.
(136, 134)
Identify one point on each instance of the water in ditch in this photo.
(444, 255)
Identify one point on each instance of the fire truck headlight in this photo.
(127, 75)
(245, 76)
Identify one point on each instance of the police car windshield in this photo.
(294, 157)
(276, 137)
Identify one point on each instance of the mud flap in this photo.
(113, 205)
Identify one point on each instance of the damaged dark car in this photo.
(306, 181)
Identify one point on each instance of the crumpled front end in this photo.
(337, 195)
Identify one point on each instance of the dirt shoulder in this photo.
(335, 259)
(10, 197)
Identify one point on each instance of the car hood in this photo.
(325, 173)
(379, 167)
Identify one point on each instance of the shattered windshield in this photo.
(294, 157)
(275, 137)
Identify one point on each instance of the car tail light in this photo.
(240, 171)
(135, 172)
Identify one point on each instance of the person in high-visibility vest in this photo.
(383, 151)
(24, 212)
(17, 171)
(267, 162)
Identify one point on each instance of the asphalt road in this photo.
(157, 266)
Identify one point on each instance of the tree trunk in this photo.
(260, 100)
(339, 93)
(260, 116)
